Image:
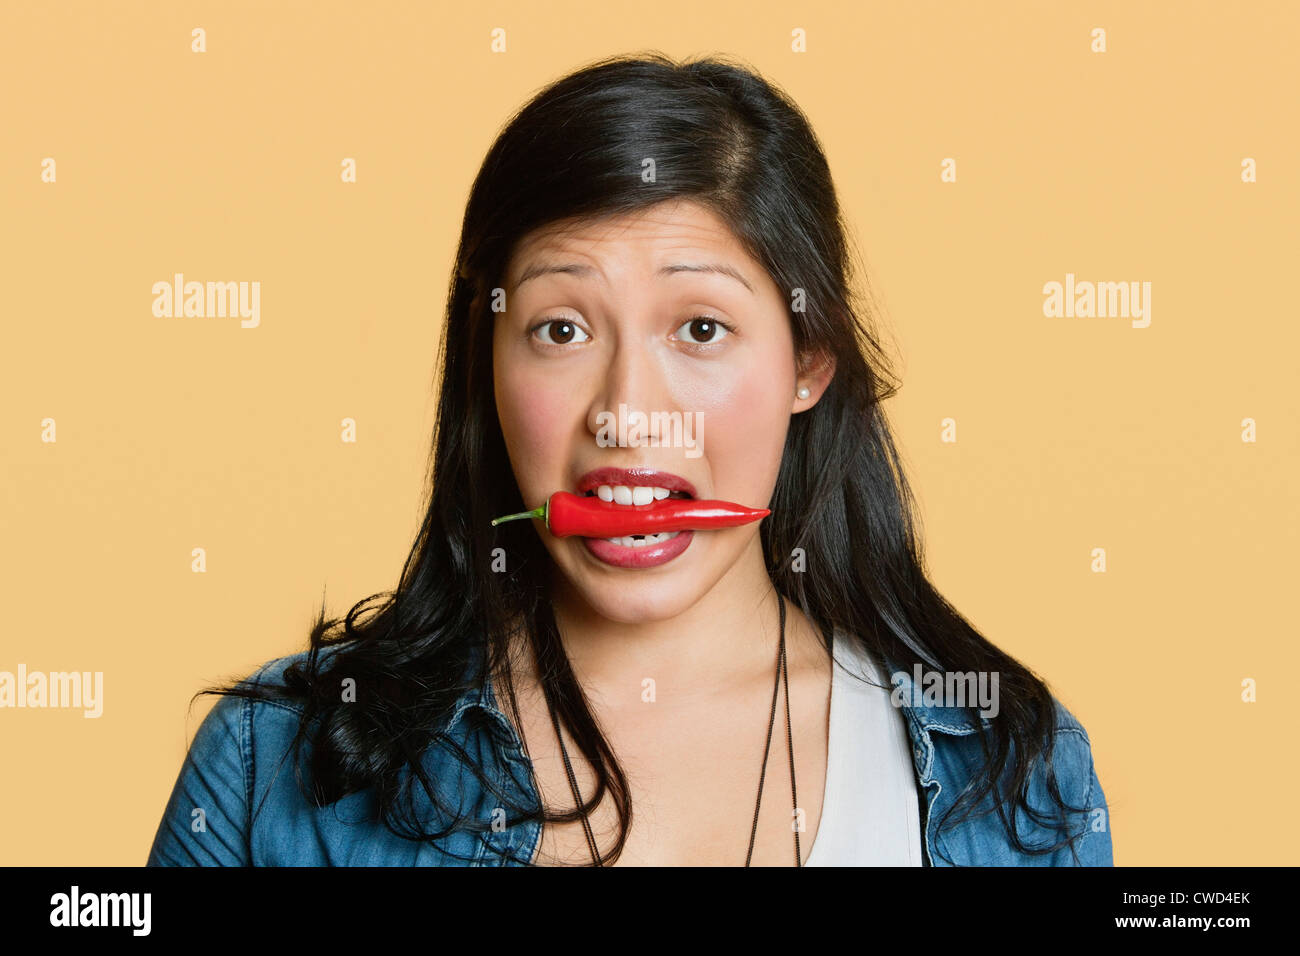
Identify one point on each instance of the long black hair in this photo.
(722, 136)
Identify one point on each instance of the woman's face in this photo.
(604, 315)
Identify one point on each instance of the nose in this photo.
(634, 384)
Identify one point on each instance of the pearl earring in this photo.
(803, 392)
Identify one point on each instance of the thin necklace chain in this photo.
(577, 795)
(782, 674)
(782, 670)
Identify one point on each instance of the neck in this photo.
(726, 640)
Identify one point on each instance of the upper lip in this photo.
(633, 477)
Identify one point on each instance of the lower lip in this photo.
(647, 556)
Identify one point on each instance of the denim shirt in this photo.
(239, 762)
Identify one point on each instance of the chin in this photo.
(628, 596)
(635, 597)
(632, 604)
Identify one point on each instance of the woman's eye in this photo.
(704, 330)
(565, 332)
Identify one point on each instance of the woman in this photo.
(647, 238)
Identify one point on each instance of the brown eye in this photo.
(562, 332)
(705, 330)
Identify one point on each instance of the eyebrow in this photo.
(585, 271)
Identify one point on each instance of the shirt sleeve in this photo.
(206, 820)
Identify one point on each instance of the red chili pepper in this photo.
(568, 514)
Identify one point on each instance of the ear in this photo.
(814, 372)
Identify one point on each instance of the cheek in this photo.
(533, 412)
(745, 425)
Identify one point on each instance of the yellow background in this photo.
(1072, 433)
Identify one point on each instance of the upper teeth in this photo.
(631, 494)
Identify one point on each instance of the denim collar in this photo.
(956, 721)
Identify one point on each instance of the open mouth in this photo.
(633, 494)
(636, 495)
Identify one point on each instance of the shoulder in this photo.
(269, 724)
(273, 671)
(1062, 791)
(228, 725)
(1071, 750)
(225, 733)
(226, 744)
(228, 768)
(1071, 758)
(1070, 767)
(1067, 755)
(272, 677)
(1075, 770)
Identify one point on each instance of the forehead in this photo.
(656, 231)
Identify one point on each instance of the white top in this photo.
(869, 814)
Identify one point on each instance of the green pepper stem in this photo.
(538, 512)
